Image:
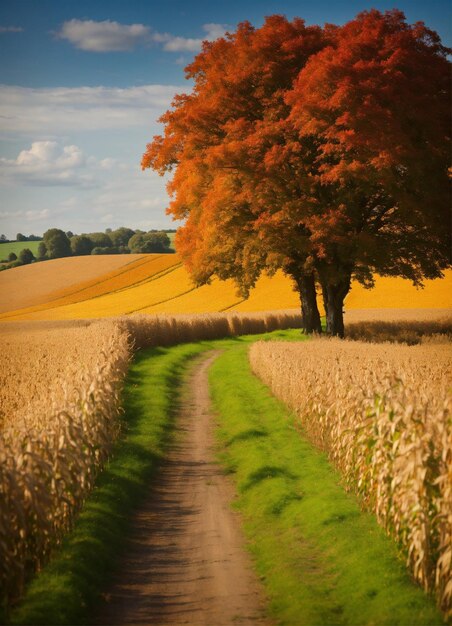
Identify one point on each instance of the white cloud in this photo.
(48, 164)
(77, 158)
(11, 29)
(214, 31)
(104, 36)
(35, 216)
(132, 198)
(134, 193)
(28, 216)
(108, 163)
(108, 36)
(62, 110)
(77, 192)
(172, 43)
(181, 60)
(44, 153)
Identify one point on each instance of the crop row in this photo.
(60, 397)
(382, 414)
(53, 442)
(426, 330)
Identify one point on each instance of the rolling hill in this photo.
(103, 286)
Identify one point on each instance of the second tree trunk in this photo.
(333, 299)
(310, 312)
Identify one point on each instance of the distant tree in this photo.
(12, 257)
(108, 231)
(107, 250)
(57, 243)
(159, 242)
(100, 240)
(26, 256)
(34, 238)
(121, 236)
(81, 245)
(20, 237)
(149, 242)
(3, 238)
(135, 242)
(69, 234)
(111, 250)
(42, 251)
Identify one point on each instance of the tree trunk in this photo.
(309, 310)
(333, 299)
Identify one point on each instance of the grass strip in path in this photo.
(69, 587)
(322, 560)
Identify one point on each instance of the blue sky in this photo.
(83, 83)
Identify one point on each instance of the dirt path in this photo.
(186, 562)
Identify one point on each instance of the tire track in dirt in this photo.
(185, 561)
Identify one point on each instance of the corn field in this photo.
(60, 400)
(167, 330)
(382, 414)
(60, 403)
(403, 331)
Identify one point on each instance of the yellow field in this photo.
(76, 288)
(398, 293)
(28, 285)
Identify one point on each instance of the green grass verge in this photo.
(70, 586)
(322, 560)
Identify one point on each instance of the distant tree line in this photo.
(20, 237)
(57, 244)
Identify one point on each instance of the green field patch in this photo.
(17, 247)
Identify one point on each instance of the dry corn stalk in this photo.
(437, 330)
(51, 446)
(382, 413)
(165, 330)
(59, 402)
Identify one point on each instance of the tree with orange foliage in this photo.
(377, 105)
(229, 144)
(297, 150)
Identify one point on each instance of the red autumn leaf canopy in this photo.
(321, 151)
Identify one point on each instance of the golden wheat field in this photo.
(60, 386)
(83, 288)
(382, 412)
(62, 290)
(29, 285)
